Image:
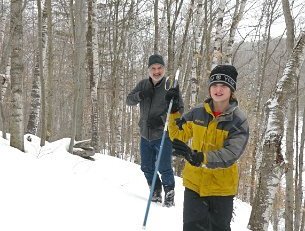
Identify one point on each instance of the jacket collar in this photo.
(233, 104)
(159, 83)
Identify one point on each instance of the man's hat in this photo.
(225, 74)
(153, 59)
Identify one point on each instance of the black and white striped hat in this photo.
(225, 74)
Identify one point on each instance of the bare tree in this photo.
(272, 167)
(17, 113)
(237, 16)
(50, 89)
(301, 153)
(36, 92)
(5, 63)
(289, 200)
(42, 80)
(263, 58)
(4, 79)
(93, 68)
(156, 22)
(217, 56)
(196, 52)
(171, 31)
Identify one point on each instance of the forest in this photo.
(66, 68)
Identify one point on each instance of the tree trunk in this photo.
(237, 16)
(79, 51)
(80, 22)
(36, 91)
(5, 67)
(303, 217)
(272, 167)
(289, 200)
(32, 126)
(4, 79)
(41, 42)
(289, 25)
(196, 53)
(156, 22)
(50, 89)
(93, 68)
(17, 113)
(217, 56)
(263, 57)
(171, 30)
(299, 188)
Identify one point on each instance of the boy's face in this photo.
(220, 92)
(156, 72)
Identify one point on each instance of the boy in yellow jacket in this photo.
(218, 131)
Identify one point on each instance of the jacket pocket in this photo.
(192, 174)
(220, 181)
(225, 180)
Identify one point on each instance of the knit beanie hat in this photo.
(153, 59)
(225, 74)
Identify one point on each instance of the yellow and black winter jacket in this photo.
(222, 140)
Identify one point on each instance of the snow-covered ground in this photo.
(49, 189)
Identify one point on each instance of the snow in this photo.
(49, 189)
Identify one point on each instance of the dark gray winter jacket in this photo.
(150, 107)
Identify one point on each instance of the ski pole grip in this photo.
(176, 77)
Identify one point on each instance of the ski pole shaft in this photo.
(159, 155)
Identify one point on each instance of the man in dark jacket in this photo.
(150, 94)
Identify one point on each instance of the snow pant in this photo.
(211, 213)
(149, 153)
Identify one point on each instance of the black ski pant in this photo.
(212, 213)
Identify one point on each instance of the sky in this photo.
(50, 189)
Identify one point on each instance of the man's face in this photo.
(156, 72)
(220, 92)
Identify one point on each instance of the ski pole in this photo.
(159, 154)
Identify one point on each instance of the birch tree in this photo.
(78, 35)
(156, 23)
(17, 113)
(263, 56)
(196, 52)
(4, 79)
(5, 62)
(237, 16)
(171, 31)
(50, 89)
(80, 21)
(93, 69)
(273, 166)
(217, 55)
(290, 201)
(36, 92)
(301, 153)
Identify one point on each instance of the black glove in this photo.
(181, 149)
(154, 122)
(147, 93)
(173, 94)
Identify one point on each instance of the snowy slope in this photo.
(50, 189)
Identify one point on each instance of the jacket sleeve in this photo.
(234, 147)
(178, 128)
(133, 98)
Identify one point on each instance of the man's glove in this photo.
(181, 149)
(147, 93)
(154, 122)
(173, 94)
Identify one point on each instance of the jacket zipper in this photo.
(148, 129)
